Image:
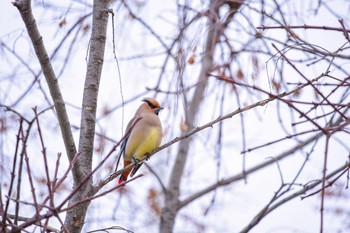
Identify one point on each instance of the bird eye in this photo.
(150, 104)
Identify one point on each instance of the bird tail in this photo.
(125, 174)
(136, 167)
(122, 148)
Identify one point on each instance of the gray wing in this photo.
(123, 145)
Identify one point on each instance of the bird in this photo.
(143, 134)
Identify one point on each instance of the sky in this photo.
(235, 205)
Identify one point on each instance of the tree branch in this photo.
(249, 171)
(268, 209)
(24, 8)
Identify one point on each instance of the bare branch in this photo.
(249, 171)
(304, 27)
(268, 209)
(24, 8)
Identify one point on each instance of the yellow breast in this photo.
(143, 142)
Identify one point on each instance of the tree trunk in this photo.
(171, 204)
(75, 217)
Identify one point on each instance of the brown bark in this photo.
(172, 204)
(75, 217)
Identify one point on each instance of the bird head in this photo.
(152, 105)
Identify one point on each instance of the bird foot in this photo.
(148, 156)
(135, 160)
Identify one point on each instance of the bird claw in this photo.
(135, 160)
(148, 156)
(138, 164)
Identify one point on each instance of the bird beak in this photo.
(158, 110)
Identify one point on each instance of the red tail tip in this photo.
(121, 181)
